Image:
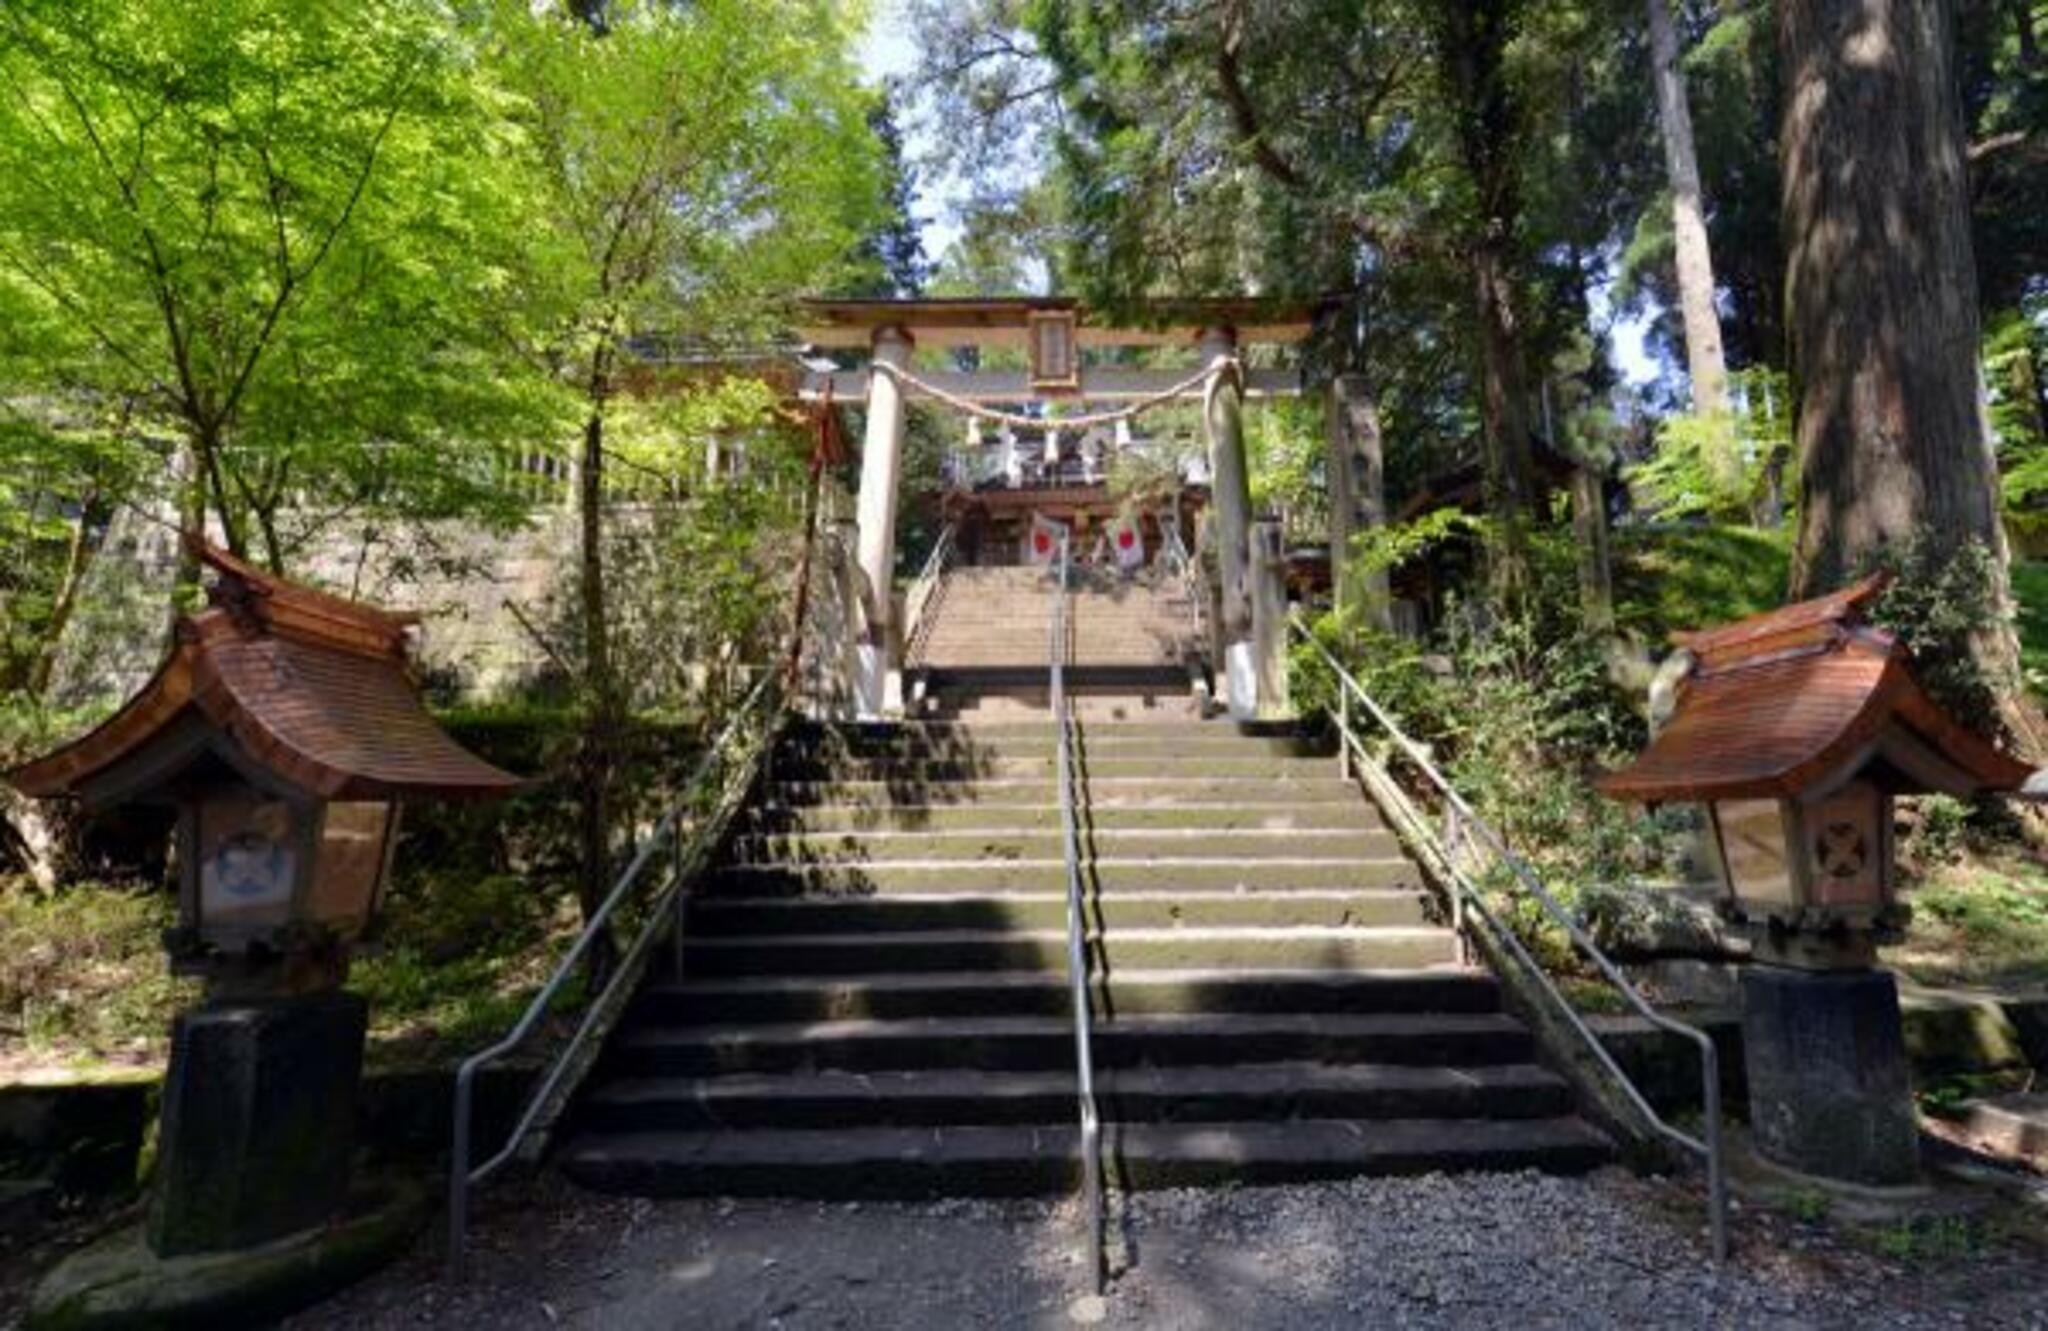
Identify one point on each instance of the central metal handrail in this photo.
(762, 704)
(1077, 956)
(1416, 829)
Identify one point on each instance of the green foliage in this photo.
(1978, 923)
(691, 167)
(2015, 348)
(1388, 546)
(83, 974)
(1284, 451)
(1940, 1238)
(1987, 906)
(2030, 595)
(1809, 1206)
(278, 233)
(1939, 829)
(1937, 603)
(1519, 710)
(462, 953)
(1697, 470)
(1672, 578)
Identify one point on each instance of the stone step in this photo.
(1188, 1094)
(1187, 743)
(966, 767)
(1169, 702)
(1107, 874)
(880, 1162)
(992, 843)
(1045, 1043)
(1029, 679)
(827, 819)
(1042, 993)
(1326, 908)
(951, 731)
(1300, 947)
(1103, 792)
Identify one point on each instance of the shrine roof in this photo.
(1777, 702)
(994, 321)
(310, 686)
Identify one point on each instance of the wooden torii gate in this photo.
(1054, 333)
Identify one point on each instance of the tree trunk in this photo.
(93, 510)
(191, 486)
(1472, 41)
(1508, 470)
(597, 761)
(1881, 304)
(1705, 363)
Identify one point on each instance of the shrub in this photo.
(1938, 603)
(83, 971)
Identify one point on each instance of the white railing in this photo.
(918, 602)
(1467, 900)
(1174, 554)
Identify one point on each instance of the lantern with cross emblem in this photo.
(1797, 729)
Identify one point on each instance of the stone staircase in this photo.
(875, 1000)
(990, 629)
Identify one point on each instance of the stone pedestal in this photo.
(1828, 1089)
(258, 1122)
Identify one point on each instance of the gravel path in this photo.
(1522, 1250)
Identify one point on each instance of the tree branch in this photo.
(1244, 116)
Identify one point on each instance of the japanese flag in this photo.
(1042, 543)
(1127, 541)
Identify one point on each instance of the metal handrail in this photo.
(689, 856)
(1464, 892)
(916, 601)
(1077, 958)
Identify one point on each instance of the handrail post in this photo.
(1343, 730)
(458, 1171)
(1454, 836)
(676, 939)
(1717, 1165)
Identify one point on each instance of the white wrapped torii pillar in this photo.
(878, 678)
(1053, 331)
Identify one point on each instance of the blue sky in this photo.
(888, 49)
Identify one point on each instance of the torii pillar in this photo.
(1231, 497)
(878, 678)
(1358, 499)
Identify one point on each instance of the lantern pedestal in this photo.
(1828, 1089)
(119, 1283)
(258, 1121)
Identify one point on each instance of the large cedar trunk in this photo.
(1473, 40)
(1881, 302)
(1509, 472)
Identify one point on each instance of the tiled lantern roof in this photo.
(312, 689)
(1782, 702)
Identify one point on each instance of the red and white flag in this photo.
(1127, 541)
(1042, 543)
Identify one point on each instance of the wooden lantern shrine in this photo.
(1797, 728)
(285, 729)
